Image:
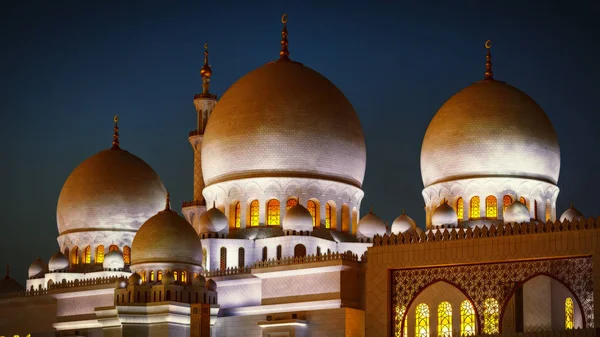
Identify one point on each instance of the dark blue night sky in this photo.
(66, 69)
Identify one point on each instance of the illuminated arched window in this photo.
(299, 250)
(491, 207)
(422, 320)
(127, 255)
(327, 215)
(159, 276)
(254, 215)
(152, 276)
(400, 310)
(204, 258)
(491, 312)
(460, 209)
(99, 254)
(175, 275)
(569, 313)
(524, 201)
(113, 248)
(444, 323)
(143, 275)
(223, 261)
(264, 254)
(474, 211)
(238, 215)
(467, 319)
(291, 203)
(88, 255)
(312, 208)
(241, 257)
(273, 211)
(506, 201)
(75, 255)
(279, 252)
(184, 276)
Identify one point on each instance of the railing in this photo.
(82, 283)
(226, 272)
(287, 261)
(547, 333)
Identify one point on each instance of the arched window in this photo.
(223, 261)
(238, 215)
(264, 254)
(312, 208)
(254, 215)
(291, 203)
(241, 257)
(152, 276)
(460, 209)
(88, 255)
(176, 275)
(99, 254)
(159, 276)
(299, 250)
(491, 312)
(474, 211)
(524, 202)
(318, 251)
(127, 255)
(327, 215)
(273, 210)
(184, 276)
(168, 295)
(422, 320)
(444, 324)
(506, 201)
(400, 310)
(143, 275)
(491, 207)
(279, 252)
(204, 258)
(467, 319)
(569, 313)
(75, 255)
(113, 248)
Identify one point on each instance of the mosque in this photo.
(273, 244)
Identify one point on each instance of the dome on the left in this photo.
(112, 189)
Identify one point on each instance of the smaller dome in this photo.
(58, 262)
(571, 214)
(8, 285)
(113, 260)
(211, 285)
(402, 224)
(135, 279)
(371, 225)
(199, 281)
(444, 215)
(121, 283)
(213, 221)
(168, 278)
(297, 218)
(516, 212)
(37, 269)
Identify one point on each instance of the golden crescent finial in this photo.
(205, 45)
(488, 44)
(284, 18)
(116, 118)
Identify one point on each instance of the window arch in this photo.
(176, 275)
(273, 212)
(491, 313)
(460, 209)
(299, 250)
(113, 248)
(223, 261)
(238, 215)
(279, 252)
(264, 254)
(569, 313)
(422, 320)
(152, 276)
(87, 255)
(491, 207)
(524, 202)
(127, 255)
(467, 319)
(184, 276)
(318, 251)
(75, 255)
(159, 275)
(506, 201)
(474, 211)
(312, 208)
(291, 203)
(254, 215)
(99, 254)
(241, 257)
(444, 324)
(327, 215)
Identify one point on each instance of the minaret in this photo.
(204, 103)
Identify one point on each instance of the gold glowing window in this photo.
(312, 208)
(506, 201)
(422, 320)
(176, 275)
(152, 276)
(474, 211)
(113, 248)
(327, 215)
(444, 325)
(460, 209)
(238, 215)
(524, 202)
(400, 310)
(143, 275)
(88, 255)
(491, 207)
(467, 319)
(184, 276)
(254, 215)
(204, 258)
(127, 255)
(291, 203)
(569, 313)
(223, 261)
(159, 276)
(99, 254)
(273, 210)
(491, 313)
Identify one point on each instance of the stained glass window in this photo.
(113, 248)
(99, 254)
(299, 250)
(569, 313)
(291, 203)
(312, 208)
(474, 212)
(241, 257)
(467, 319)
(127, 255)
(506, 201)
(327, 215)
(400, 310)
(444, 323)
(460, 209)
(279, 252)
(238, 215)
(254, 216)
(88, 254)
(422, 320)
(273, 211)
(491, 207)
(204, 258)
(491, 312)
(223, 261)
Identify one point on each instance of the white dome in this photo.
(516, 213)
(37, 269)
(113, 260)
(199, 281)
(571, 214)
(371, 225)
(496, 130)
(58, 262)
(298, 218)
(444, 215)
(402, 224)
(213, 221)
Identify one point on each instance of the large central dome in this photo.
(284, 120)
